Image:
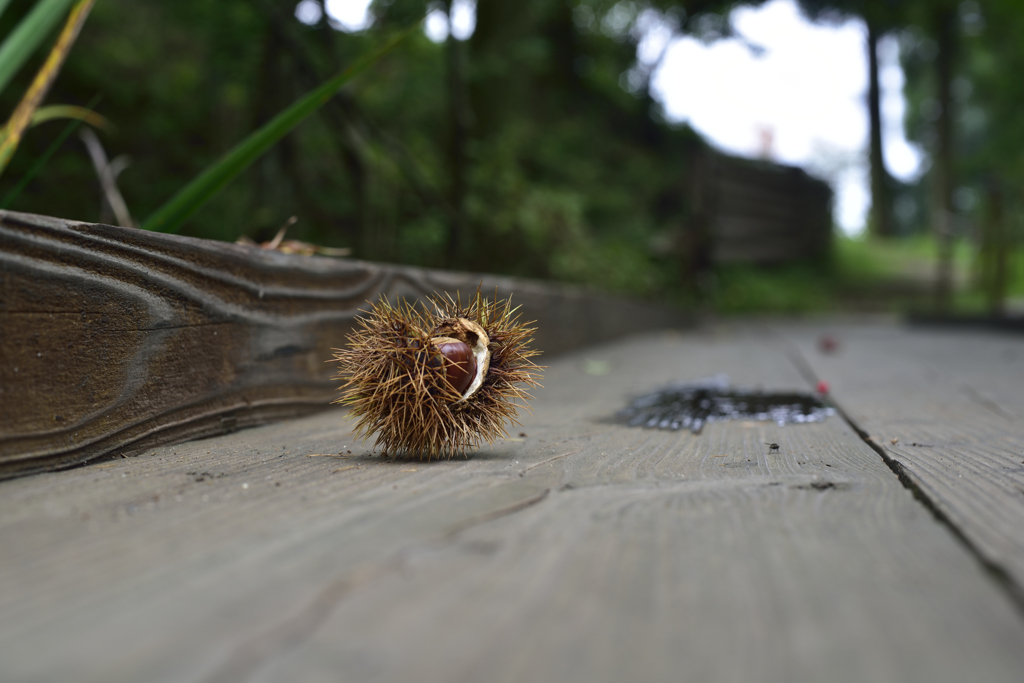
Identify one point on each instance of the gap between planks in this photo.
(996, 571)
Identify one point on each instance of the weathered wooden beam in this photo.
(114, 340)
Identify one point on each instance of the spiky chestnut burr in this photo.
(433, 384)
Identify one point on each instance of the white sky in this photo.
(806, 92)
(808, 89)
(463, 21)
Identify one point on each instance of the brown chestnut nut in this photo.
(460, 364)
(474, 336)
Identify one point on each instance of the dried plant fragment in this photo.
(279, 243)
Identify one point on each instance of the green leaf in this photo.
(170, 216)
(22, 116)
(24, 39)
(64, 111)
(3, 5)
(70, 111)
(38, 164)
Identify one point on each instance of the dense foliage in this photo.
(517, 151)
(533, 148)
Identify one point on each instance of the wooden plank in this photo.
(948, 411)
(117, 340)
(581, 550)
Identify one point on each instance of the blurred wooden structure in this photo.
(760, 212)
(117, 340)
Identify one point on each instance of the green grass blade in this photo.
(38, 164)
(53, 112)
(70, 111)
(33, 97)
(170, 216)
(27, 36)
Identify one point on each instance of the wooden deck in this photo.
(889, 547)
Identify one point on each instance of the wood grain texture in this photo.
(948, 409)
(115, 339)
(581, 550)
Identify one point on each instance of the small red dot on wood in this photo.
(827, 343)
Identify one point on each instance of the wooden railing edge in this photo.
(115, 340)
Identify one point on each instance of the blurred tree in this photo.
(990, 134)
(459, 132)
(961, 59)
(880, 17)
(948, 45)
(943, 23)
